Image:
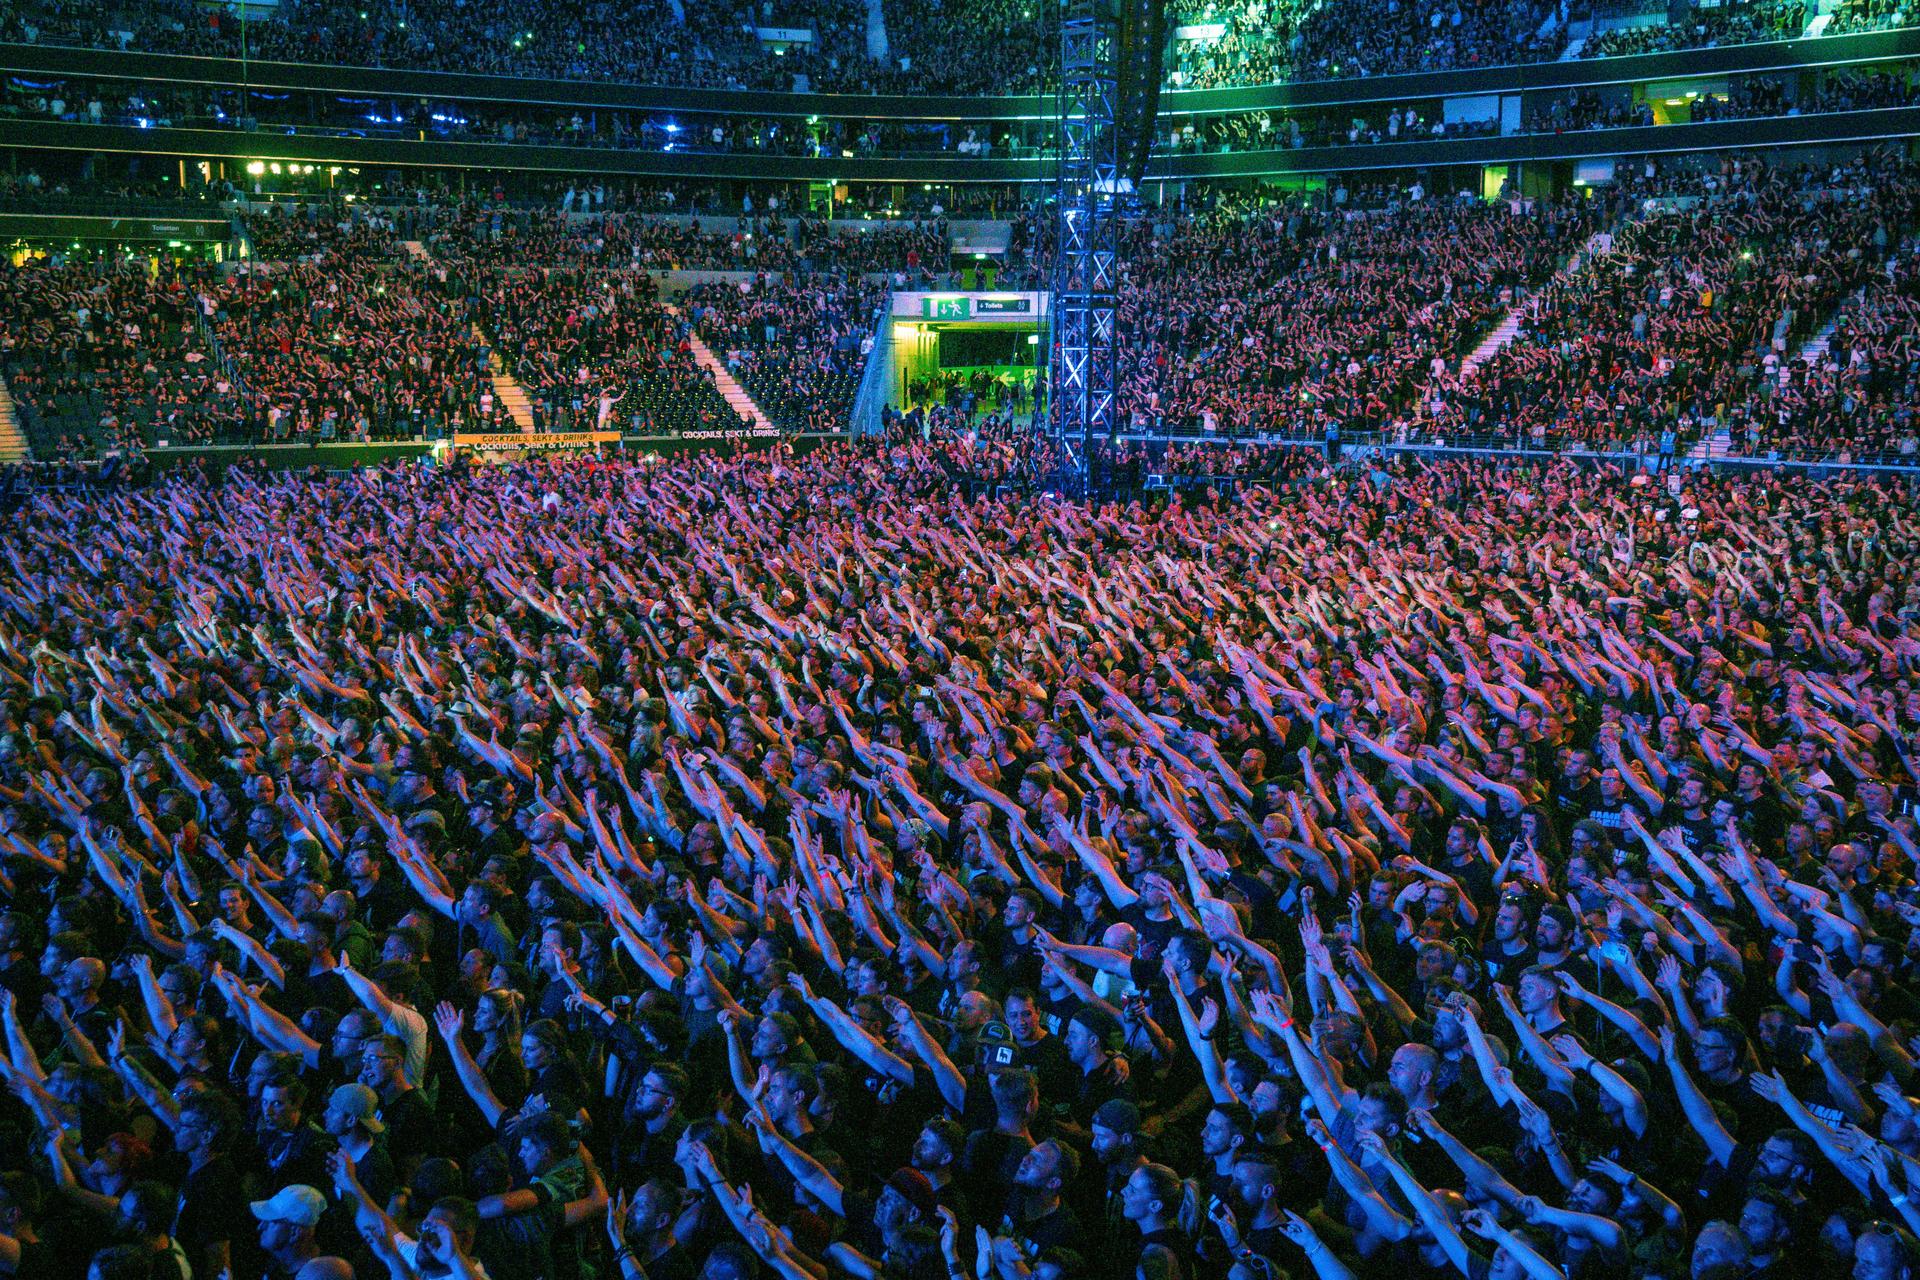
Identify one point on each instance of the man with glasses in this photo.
(210, 1217)
(349, 1038)
(409, 1117)
(645, 1144)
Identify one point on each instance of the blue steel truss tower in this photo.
(1089, 187)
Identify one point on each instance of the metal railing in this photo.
(1359, 445)
(105, 206)
(865, 417)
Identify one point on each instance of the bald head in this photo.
(325, 1269)
(82, 977)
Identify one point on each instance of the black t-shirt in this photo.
(1059, 1229)
(1049, 1062)
(1153, 934)
(413, 1129)
(212, 1210)
(1094, 1090)
(297, 1157)
(1007, 963)
(1613, 816)
(992, 1159)
(1502, 967)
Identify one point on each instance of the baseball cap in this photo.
(1119, 1115)
(296, 1203)
(360, 1102)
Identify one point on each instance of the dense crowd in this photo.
(931, 46)
(1753, 22)
(797, 344)
(596, 350)
(783, 864)
(1283, 321)
(346, 324)
(339, 349)
(1855, 397)
(105, 354)
(1681, 325)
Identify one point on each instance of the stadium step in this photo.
(730, 389)
(1710, 448)
(13, 441)
(506, 388)
(1600, 242)
(1814, 349)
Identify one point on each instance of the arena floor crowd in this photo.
(839, 862)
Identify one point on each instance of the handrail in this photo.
(865, 417)
(692, 141)
(1365, 443)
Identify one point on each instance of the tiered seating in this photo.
(795, 345)
(1284, 320)
(1676, 326)
(594, 347)
(1749, 23)
(326, 351)
(102, 355)
(1855, 398)
(934, 46)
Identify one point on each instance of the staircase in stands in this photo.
(1814, 350)
(730, 389)
(1808, 355)
(13, 441)
(507, 390)
(1597, 245)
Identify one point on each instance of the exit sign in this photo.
(946, 308)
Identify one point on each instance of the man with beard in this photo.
(641, 1230)
(652, 1124)
(1037, 1216)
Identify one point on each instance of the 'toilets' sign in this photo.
(969, 306)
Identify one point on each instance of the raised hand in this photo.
(1220, 1213)
(617, 1221)
(1611, 1170)
(450, 1020)
(1572, 1050)
(1481, 1223)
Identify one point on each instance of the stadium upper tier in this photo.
(962, 47)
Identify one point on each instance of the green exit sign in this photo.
(946, 308)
